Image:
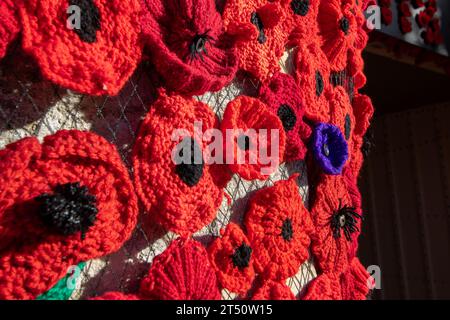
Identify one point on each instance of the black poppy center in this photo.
(244, 142)
(197, 47)
(89, 20)
(344, 24)
(257, 22)
(241, 256)
(69, 209)
(286, 230)
(300, 7)
(190, 170)
(287, 117)
(345, 219)
(348, 126)
(319, 84)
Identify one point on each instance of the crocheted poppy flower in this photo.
(301, 19)
(180, 194)
(93, 49)
(182, 272)
(335, 220)
(188, 46)
(352, 284)
(258, 26)
(340, 30)
(363, 111)
(62, 202)
(257, 135)
(9, 25)
(342, 112)
(312, 74)
(271, 290)
(278, 227)
(329, 148)
(355, 70)
(282, 96)
(231, 257)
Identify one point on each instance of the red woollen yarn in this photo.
(312, 74)
(97, 58)
(271, 290)
(258, 27)
(301, 19)
(340, 29)
(116, 296)
(182, 272)
(231, 257)
(188, 45)
(182, 198)
(335, 222)
(352, 284)
(281, 95)
(247, 113)
(78, 171)
(9, 25)
(278, 227)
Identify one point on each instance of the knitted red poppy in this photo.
(271, 290)
(356, 202)
(9, 25)
(312, 74)
(301, 19)
(363, 111)
(188, 46)
(355, 69)
(278, 227)
(352, 284)
(182, 272)
(341, 113)
(335, 220)
(282, 95)
(62, 202)
(231, 257)
(340, 30)
(182, 196)
(96, 57)
(244, 120)
(258, 26)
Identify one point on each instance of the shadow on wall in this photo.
(444, 6)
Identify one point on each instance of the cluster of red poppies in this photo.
(82, 202)
(427, 19)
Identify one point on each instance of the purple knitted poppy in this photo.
(329, 148)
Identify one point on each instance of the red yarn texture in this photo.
(340, 28)
(116, 296)
(282, 93)
(169, 30)
(331, 254)
(34, 257)
(312, 74)
(9, 25)
(170, 201)
(259, 58)
(271, 290)
(97, 68)
(246, 113)
(237, 279)
(352, 284)
(341, 113)
(182, 272)
(278, 227)
(301, 27)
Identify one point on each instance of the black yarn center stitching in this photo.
(89, 20)
(241, 256)
(286, 230)
(197, 48)
(69, 209)
(344, 218)
(344, 24)
(190, 172)
(287, 117)
(300, 7)
(347, 126)
(319, 84)
(256, 20)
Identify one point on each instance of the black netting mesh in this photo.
(32, 106)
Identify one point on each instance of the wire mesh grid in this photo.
(32, 106)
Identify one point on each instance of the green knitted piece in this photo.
(61, 291)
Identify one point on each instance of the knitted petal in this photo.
(9, 25)
(271, 290)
